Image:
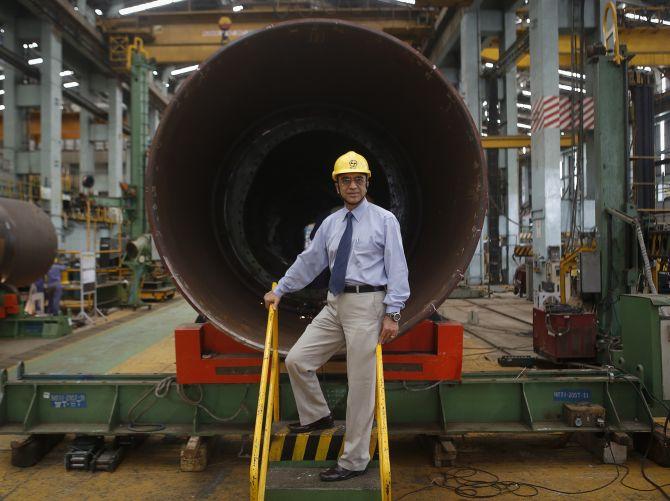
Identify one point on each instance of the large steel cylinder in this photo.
(241, 165)
(28, 242)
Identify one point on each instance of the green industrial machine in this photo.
(645, 339)
(20, 324)
(137, 260)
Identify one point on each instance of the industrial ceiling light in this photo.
(522, 126)
(186, 69)
(566, 73)
(98, 12)
(66, 73)
(2, 77)
(69, 85)
(37, 60)
(2, 107)
(2, 92)
(146, 6)
(238, 8)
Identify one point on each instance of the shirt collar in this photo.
(358, 211)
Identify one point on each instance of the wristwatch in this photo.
(395, 316)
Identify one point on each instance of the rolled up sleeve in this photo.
(397, 288)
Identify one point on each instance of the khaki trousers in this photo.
(352, 321)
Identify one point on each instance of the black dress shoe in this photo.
(322, 424)
(337, 473)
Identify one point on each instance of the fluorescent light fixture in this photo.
(37, 60)
(238, 8)
(655, 20)
(186, 69)
(2, 92)
(69, 85)
(98, 12)
(411, 2)
(488, 65)
(570, 74)
(523, 105)
(25, 45)
(76, 8)
(524, 150)
(155, 73)
(571, 89)
(66, 73)
(2, 107)
(522, 126)
(525, 92)
(32, 45)
(485, 103)
(146, 6)
(2, 77)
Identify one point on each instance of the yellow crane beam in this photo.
(651, 47)
(188, 37)
(513, 142)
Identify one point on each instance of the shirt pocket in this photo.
(367, 250)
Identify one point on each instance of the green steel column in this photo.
(50, 121)
(139, 141)
(606, 154)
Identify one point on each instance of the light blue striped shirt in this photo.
(377, 256)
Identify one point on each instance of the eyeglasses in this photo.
(346, 180)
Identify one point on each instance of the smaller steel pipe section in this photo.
(28, 242)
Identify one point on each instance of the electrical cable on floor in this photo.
(466, 481)
(161, 390)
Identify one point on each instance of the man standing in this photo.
(362, 245)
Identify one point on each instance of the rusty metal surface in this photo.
(28, 242)
(241, 163)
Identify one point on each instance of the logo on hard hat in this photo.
(353, 163)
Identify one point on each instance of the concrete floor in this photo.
(144, 344)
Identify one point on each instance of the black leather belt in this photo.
(364, 288)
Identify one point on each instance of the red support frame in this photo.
(431, 351)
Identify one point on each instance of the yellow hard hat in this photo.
(350, 163)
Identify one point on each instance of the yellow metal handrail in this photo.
(268, 396)
(382, 430)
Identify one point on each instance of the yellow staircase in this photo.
(275, 477)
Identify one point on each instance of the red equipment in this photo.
(431, 351)
(564, 334)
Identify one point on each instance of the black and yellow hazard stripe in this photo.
(523, 250)
(320, 445)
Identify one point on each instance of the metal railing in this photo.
(267, 413)
(268, 396)
(382, 429)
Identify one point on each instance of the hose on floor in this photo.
(162, 390)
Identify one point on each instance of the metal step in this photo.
(299, 481)
(319, 445)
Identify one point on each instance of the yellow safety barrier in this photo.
(382, 430)
(268, 390)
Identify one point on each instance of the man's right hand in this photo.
(271, 299)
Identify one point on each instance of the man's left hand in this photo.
(389, 330)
